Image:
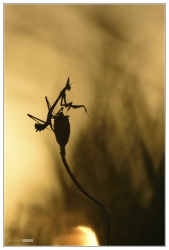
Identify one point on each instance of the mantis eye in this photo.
(37, 125)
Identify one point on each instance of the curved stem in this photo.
(91, 198)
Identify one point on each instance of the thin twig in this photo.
(91, 198)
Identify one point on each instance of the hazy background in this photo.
(115, 57)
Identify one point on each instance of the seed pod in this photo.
(62, 129)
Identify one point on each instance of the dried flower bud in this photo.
(62, 129)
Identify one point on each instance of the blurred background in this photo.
(115, 57)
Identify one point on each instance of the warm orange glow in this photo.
(78, 236)
(90, 238)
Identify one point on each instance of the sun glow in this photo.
(78, 236)
(88, 236)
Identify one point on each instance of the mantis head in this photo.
(39, 127)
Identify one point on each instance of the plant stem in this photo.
(91, 198)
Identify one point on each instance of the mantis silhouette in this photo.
(61, 129)
(41, 125)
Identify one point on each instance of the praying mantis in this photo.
(61, 129)
(61, 126)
